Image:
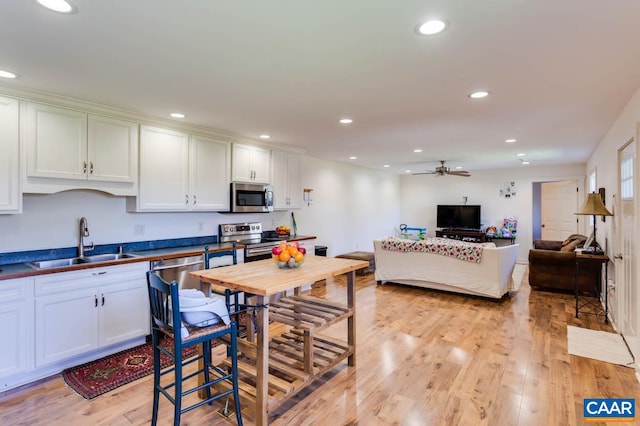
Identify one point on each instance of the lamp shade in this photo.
(593, 206)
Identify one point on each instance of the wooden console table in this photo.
(273, 370)
(471, 236)
(603, 260)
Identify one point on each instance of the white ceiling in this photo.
(559, 72)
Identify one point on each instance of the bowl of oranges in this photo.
(288, 255)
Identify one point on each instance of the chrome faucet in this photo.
(84, 232)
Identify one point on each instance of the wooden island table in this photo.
(273, 370)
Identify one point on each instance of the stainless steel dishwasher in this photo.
(177, 269)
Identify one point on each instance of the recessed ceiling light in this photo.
(60, 6)
(407, 171)
(346, 121)
(386, 165)
(458, 167)
(177, 115)
(479, 94)
(265, 137)
(353, 157)
(417, 150)
(7, 74)
(431, 27)
(525, 163)
(520, 154)
(510, 140)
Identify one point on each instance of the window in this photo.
(626, 179)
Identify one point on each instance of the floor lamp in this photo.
(593, 206)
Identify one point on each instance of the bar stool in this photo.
(231, 297)
(167, 321)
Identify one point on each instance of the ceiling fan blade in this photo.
(460, 173)
(424, 173)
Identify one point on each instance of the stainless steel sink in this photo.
(108, 257)
(57, 263)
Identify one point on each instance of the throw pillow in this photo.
(572, 245)
(572, 237)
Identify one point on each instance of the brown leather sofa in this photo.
(552, 266)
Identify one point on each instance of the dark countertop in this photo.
(21, 270)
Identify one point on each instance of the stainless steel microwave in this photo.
(251, 198)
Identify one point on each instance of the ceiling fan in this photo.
(442, 170)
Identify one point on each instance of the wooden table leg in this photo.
(262, 363)
(351, 321)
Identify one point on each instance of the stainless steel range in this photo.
(258, 244)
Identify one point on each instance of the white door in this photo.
(559, 202)
(628, 294)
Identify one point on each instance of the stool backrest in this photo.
(209, 255)
(164, 304)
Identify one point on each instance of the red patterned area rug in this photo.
(103, 375)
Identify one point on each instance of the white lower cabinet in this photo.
(80, 311)
(16, 317)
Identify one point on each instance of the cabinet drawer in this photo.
(18, 289)
(88, 278)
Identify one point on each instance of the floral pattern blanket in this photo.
(470, 252)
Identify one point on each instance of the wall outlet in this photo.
(201, 226)
(138, 230)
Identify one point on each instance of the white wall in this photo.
(351, 207)
(605, 161)
(420, 194)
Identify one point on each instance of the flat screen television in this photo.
(458, 217)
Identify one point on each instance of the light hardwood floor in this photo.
(424, 358)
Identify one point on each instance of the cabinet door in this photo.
(294, 187)
(242, 167)
(56, 142)
(112, 149)
(16, 317)
(10, 198)
(279, 174)
(251, 164)
(66, 325)
(124, 307)
(261, 164)
(287, 189)
(164, 170)
(210, 173)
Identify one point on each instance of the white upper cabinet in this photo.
(112, 149)
(209, 173)
(179, 172)
(251, 164)
(164, 170)
(10, 198)
(65, 144)
(56, 142)
(287, 191)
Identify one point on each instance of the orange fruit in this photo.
(284, 256)
(298, 257)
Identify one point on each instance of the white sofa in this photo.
(491, 277)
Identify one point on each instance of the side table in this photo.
(603, 260)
